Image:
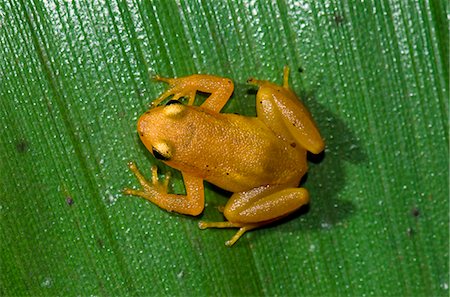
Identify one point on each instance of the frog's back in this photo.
(234, 152)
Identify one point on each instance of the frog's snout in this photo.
(142, 126)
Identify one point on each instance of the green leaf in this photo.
(75, 76)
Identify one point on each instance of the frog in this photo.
(260, 160)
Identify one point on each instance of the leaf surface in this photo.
(76, 75)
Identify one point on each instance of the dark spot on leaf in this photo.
(300, 69)
(293, 144)
(100, 243)
(410, 231)
(22, 146)
(415, 212)
(339, 19)
(69, 200)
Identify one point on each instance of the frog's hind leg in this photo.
(259, 207)
(281, 110)
(239, 233)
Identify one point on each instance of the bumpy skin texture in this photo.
(260, 159)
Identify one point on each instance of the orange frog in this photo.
(259, 159)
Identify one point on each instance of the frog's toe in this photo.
(132, 192)
(147, 186)
(166, 181)
(154, 175)
(203, 225)
(163, 79)
(251, 81)
(132, 166)
(156, 183)
(256, 82)
(236, 236)
(227, 224)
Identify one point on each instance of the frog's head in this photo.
(159, 129)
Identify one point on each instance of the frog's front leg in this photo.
(220, 89)
(258, 207)
(156, 192)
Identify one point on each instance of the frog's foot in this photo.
(148, 188)
(258, 207)
(260, 83)
(178, 88)
(257, 82)
(242, 228)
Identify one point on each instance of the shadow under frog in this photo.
(326, 175)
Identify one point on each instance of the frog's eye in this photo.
(174, 109)
(162, 151)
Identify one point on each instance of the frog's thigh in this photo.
(264, 206)
(278, 106)
(269, 113)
